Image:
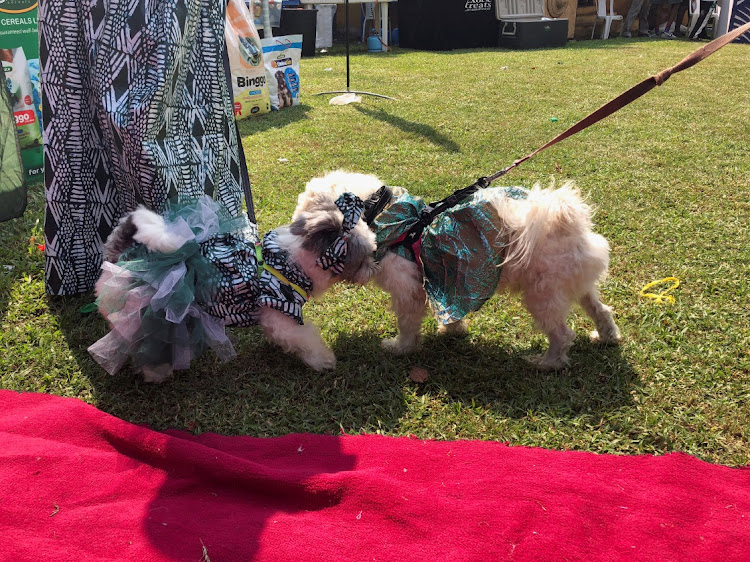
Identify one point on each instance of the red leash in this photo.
(413, 236)
(632, 94)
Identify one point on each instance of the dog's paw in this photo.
(613, 338)
(544, 363)
(323, 360)
(399, 346)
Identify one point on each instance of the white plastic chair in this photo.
(368, 13)
(608, 17)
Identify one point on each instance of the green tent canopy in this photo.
(12, 186)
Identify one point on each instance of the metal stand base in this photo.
(356, 92)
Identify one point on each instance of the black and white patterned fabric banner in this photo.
(136, 109)
(740, 16)
(351, 207)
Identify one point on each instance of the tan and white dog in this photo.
(548, 254)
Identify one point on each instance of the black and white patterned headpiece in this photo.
(333, 258)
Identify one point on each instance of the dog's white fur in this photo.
(151, 231)
(553, 259)
(148, 228)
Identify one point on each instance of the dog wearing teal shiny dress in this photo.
(538, 243)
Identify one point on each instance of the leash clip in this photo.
(425, 216)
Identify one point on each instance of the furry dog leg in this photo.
(549, 313)
(403, 281)
(301, 339)
(606, 329)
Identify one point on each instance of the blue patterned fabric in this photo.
(740, 16)
(136, 110)
(461, 251)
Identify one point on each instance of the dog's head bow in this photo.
(333, 258)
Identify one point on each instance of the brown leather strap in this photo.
(633, 94)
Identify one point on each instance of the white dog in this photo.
(538, 243)
(152, 263)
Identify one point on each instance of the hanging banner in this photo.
(740, 16)
(19, 56)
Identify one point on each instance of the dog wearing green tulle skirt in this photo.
(171, 283)
(537, 242)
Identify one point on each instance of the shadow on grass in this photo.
(599, 380)
(262, 392)
(265, 392)
(272, 120)
(407, 126)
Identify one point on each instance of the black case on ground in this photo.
(533, 33)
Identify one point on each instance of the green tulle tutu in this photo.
(165, 308)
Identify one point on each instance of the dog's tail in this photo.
(552, 212)
(144, 227)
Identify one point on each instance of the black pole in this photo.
(348, 91)
(346, 26)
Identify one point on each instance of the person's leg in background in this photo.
(635, 9)
(653, 16)
(681, 11)
(661, 18)
(671, 11)
(643, 27)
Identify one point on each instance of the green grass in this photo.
(669, 175)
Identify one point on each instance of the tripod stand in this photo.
(348, 91)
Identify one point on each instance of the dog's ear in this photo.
(359, 249)
(318, 230)
(360, 265)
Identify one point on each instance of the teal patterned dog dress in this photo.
(461, 251)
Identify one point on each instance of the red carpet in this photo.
(76, 483)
